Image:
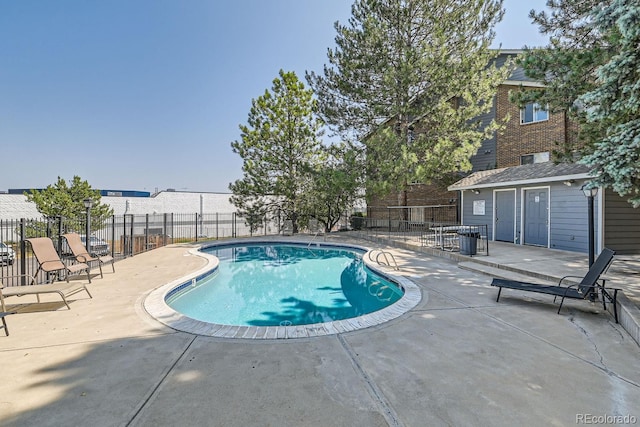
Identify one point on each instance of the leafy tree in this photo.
(335, 185)
(279, 144)
(409, 79)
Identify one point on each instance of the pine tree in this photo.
(590, 70)
(566, 67)
(614, 104)
(279, 144)
(67, 200)
(409, 78)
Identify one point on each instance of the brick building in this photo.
(517, 190)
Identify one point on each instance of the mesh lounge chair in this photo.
(62, 289)
(49, 261)
(80, 252)
(4, 313)
(588, 286)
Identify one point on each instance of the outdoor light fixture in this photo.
(569, 182)
(88, 204)
(475, 191)
(590, 192)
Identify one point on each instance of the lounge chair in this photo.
(80, 252)
(4, 313)
(62, 289)
(587, 288)
(49, 261)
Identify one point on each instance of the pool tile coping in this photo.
(154, 304)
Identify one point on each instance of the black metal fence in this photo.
(435, 226)
(401, 216)
(120, 236)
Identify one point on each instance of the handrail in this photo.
(312, 239)
(386, 258)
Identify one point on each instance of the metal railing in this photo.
(120, 236)
(385, 258)
(446, 236)
(394, 216)
(466, 239)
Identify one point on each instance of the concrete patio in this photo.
(458, 358)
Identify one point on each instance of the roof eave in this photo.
(522, 182)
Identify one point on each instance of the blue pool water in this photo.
(283, 284)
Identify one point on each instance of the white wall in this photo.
(15, 206)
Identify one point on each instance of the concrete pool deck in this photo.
(457, 358)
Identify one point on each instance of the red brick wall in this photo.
(520, 139)
(512, 142)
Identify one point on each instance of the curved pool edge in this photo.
(154, 304)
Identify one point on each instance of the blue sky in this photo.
(148, 94)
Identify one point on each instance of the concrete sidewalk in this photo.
(458, 358)
(545, 266)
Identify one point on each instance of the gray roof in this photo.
(521, 175)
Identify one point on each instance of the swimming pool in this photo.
(282, 290)
(284, 284)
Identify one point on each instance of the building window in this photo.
(532, 113)
(529, 159)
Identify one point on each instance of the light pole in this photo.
(88, 204)
(590, 193)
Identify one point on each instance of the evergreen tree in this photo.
(279, 146)
(614, 104)
(409, 79)
(566, 67)
(67, 201)
(336, 185)
(590, 70)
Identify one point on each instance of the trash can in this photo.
(468, 241)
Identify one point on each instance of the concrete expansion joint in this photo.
(628, 311)
(378, 396)
(149, 398)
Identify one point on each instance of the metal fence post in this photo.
(59, 239)
(164, 229)
(113, 235)
(233, 225)
(23, 251)
(48, 227)
(130, 230)
(146, 232)
(217, 222)
(196, 224)
(123, 237)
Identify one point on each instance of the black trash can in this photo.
(468, 241)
